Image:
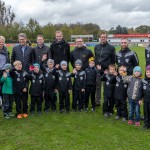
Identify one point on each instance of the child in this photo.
(7, 92)
(145, 92)
(50, 85)
(91, 74)
(79, 85)
(109, 77)
(64, 87)
(36, 88)
(20, 89)
(133, 92)
(120, 95)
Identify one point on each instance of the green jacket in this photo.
(7, 86)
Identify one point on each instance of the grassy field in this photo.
(74, 131)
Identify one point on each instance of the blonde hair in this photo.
(17, 62)
(59, 32)
(2, 38)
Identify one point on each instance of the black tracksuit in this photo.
(19, 83)
(109, 87)
(50, 86)
(78, 84)
(145, 92)
(91, 75)
(36, 90)
(120, 95)
(64, 84)
(147, 55)
(127, 58)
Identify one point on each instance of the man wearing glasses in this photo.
(104, 56)
(147, 51)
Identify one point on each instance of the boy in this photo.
(79, 85)
(64, 87)
(120, 95)
(50, 85)
(7, 92)
(36, 88)
(133, 92)
(145, 93)
(20, 89)
(91, 75)
(109, 77)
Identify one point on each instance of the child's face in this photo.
(64, 67)
(91, 63)
(112, 70)
(137, 74)
(148, 73)
(7, 70)
(78, 67)
(18, 67)
(50, 65)
(36, 69)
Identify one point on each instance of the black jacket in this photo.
(60, 51)
(109, 84)
(79, 80)
(37, 83)
(127, 58)
(19, 81)
(26, 58)
(120, 89)
(50, 79)
(83, 54)
(38, 53)
(147, 55)
(104, 55)
(64, 83)
(91, 75)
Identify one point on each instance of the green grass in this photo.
(81, 131)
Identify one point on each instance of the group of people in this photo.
(49, 74)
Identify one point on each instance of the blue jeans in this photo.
(134, 108)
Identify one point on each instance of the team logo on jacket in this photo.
(107, 83)
(33, 81)
(125, 86)
(18, 79)
(40, 81)
(147, 55)
(144, 87)
(83, 55)
(67, 79)
(127, 60)
(81, 78)
(60, 78)
(117, 85)
(46, 75)
(53, 77)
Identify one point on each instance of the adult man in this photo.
(60, 49)
(147, 51)
(80, 52)
(126, 57)
(4, 59)
(22, 52)
(40, 50)
(104, 56)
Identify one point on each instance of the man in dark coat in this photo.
(147, 51)
(22, 52)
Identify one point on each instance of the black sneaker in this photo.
(39, 113)
(93, 109)
(86, 109)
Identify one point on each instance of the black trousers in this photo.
(121, 106)
(90, 91)
(64, 101)
(108, 104)
(36, 101)
(78, 98)
(147, 114)
(50, 101)
(21, 103)
(7, 103)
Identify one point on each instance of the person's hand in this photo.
(56, 91)
(99, 67)
(74, 71)
(106, 71)
(44, 57)
(115, 73)
(140, 102)
(4, 74)
(83, 90)
(25, 90)
(57, 66)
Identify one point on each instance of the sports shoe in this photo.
(117, 117)
(110, 114)
(124, 119)
(19, 116)
(137, 124)
(86, 109)
(24, 115)
(6, 116)
(106, 115)
(130, 122)
(11, 115)
(93, 109)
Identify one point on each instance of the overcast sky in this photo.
(105, 13)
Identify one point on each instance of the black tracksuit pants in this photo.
(90, 91)
(108, 104)
(64, 101)
(121, 106)
(36, 101)
(21, 101)
(147, 114)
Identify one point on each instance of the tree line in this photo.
(10, 28)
